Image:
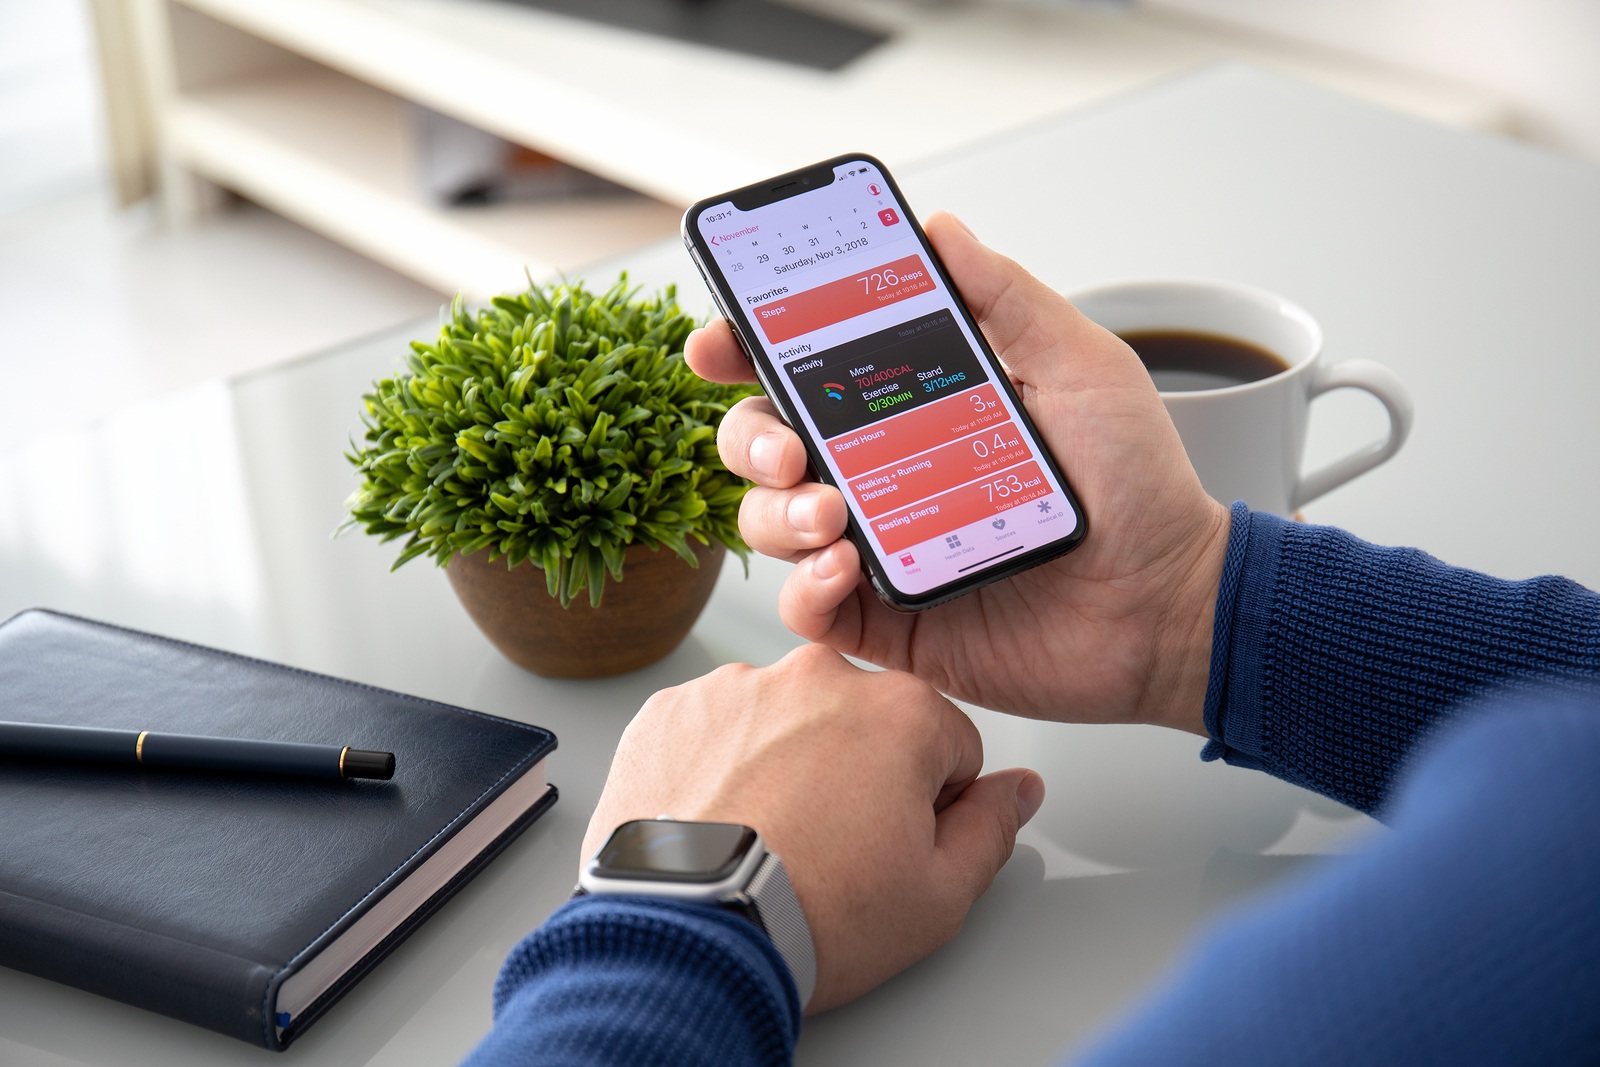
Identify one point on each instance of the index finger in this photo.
(712, 353)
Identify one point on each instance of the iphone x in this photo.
(861, 341)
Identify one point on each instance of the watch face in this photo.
(662, 850)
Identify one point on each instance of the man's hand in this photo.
(864, 782)
(1118, 630)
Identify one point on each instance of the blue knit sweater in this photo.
(1459, 708)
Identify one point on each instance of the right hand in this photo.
(1118, 630)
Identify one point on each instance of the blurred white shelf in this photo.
(301, 104)
(338, 156)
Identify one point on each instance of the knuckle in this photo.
(999, 837)
(810, 659)
(680, 699)
(1002, 836)
(970, 880)
(725, 676)
(736, 430)
(761, 515)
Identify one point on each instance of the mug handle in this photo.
(1382, 383)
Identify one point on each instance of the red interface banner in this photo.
(812, 309)
(943, 468)
(968, 504)
(881, 443)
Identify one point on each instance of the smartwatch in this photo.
(719, 863)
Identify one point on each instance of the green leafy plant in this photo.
(555, 427)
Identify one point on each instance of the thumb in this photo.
(1028, 323)
(976, 833)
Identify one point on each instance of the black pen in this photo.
(146, 748)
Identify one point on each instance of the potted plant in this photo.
(555, 454)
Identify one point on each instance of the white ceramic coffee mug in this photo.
(1247, 441)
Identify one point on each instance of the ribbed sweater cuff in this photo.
(627, 980)
(1232, 720)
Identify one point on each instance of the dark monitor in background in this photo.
(754, 27)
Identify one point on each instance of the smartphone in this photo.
(857, 335)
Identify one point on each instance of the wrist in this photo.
(725, 865)
(1181, 668)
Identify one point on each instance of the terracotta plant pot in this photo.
(640, 619)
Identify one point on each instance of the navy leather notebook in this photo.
(247, 904)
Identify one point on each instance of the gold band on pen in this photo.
(343, 752)
(138, 746)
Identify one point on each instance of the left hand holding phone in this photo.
(1118, 631)
(866, 783)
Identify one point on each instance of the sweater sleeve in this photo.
(1331, 657)
(1469, 934)
(634, 982)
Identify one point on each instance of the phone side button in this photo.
(743, 351)
(716, 298)
(737, 338)
(699, 265)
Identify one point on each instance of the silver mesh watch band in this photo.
(778, 911)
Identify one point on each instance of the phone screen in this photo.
(878, 361)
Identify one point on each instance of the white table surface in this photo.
(1468, 264)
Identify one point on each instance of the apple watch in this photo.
(708, 863)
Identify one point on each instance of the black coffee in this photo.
(1185, 361)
